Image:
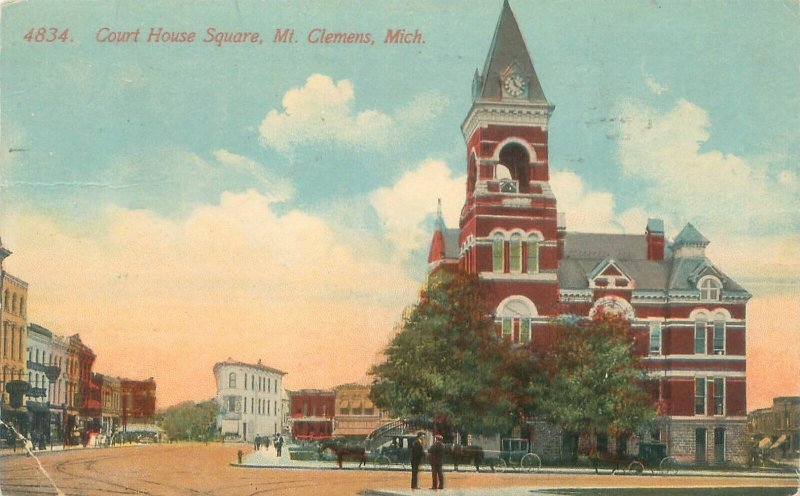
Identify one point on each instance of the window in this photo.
(231, 403)
(533, 255)
(525, 331)
(700, 337)
(498, 249)
(245, 381)
(655, 338)
(699, 396)
(252, 382)
(710, 288)
(719, 337)
(508, 328)
(232, 380)
(515, 253)
(719, 396)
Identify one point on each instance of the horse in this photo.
(462, 455)
(341, 449)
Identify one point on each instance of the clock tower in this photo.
(508, 227)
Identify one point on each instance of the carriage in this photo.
(514, 454)
(652, 456)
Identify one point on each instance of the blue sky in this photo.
(684, 110)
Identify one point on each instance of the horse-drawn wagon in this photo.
(652, 456)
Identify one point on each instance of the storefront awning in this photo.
(764, 443)
(779, 441)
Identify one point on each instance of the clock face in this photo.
(514, 85)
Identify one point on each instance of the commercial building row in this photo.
(48, 389)
(253, 403)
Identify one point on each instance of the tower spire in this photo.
(508, 56)
(439, 218)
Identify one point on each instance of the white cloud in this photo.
(278, 189)
(592, 211)
(404, 207)
(685, 181)
(322, 111)
(654, 86)
(233, 279)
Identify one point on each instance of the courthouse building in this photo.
(687, 317)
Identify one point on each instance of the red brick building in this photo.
(312, 412)
(687, 317)
(138, 401)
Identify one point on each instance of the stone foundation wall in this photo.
(681, 435)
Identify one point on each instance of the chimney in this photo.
(655, 239)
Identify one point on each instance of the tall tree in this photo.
(191, 421)
(447, 361)
(589, 381)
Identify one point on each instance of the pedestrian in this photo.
(417, 455)
(279, 445)
(265, 440)
(257, 442)
(435, 457)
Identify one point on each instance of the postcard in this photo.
(243, 237)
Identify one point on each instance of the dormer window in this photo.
(710, 288)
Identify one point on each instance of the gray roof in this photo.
(648, 274)
(39, 330)
(508, 48)
(452, 249)
(689, 235)
(584, 252)
(599, 246)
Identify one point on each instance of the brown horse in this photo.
(341, 449)
(462, 455)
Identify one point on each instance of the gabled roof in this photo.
(689, 235)
(598, 246)
(607, 266)
(508, 50)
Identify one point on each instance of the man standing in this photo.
(436, 456)
(417, 454)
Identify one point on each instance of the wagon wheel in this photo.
(531, 462)
(668, 465)
(500, 465)
(382, 461)
(636, 468)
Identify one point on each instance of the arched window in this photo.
(613, 305)
(700, 326)
(718, 339)
(498, 253)
(5, 300)
(14, 303)
(515, 253)
(533, 254)
(516, 158)
(514, 316)
(232, 380)
(22, 306)
(710, 288)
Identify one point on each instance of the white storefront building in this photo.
(249, 396)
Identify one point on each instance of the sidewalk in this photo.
(59, 447)
(267, 459)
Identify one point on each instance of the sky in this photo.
(181, 203)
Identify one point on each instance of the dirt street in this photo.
(197, 469)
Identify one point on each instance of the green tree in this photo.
(589, 381)
(447, 362)
(191, 421)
